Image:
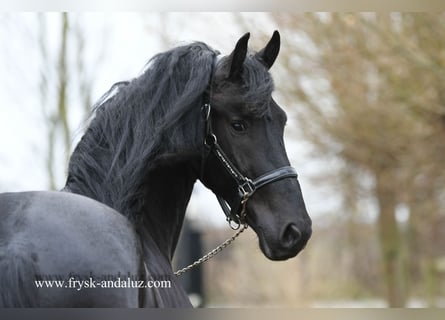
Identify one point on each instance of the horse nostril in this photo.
(291, 236)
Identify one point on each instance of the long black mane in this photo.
(138, 121)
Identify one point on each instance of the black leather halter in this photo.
(246, 186)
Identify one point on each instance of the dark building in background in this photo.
(190, 249)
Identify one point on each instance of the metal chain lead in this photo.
(212, 253)
(223, 245)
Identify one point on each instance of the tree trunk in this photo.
(390, 240)
(63, 82)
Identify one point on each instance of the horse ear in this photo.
(238, 56)
(270, 52)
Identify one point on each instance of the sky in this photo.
(130, 40)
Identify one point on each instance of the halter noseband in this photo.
(246, 186)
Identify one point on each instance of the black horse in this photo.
(192, 114)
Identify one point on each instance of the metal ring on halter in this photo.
(241, 218)
(233, 224)
(210, 140)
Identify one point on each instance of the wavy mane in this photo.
(138, 121)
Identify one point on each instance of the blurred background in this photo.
(365, 97)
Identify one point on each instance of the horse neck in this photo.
(166, 196)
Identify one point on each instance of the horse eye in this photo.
(239, 126)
